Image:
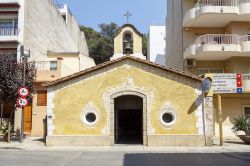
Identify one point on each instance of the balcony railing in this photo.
(5, 31)
(60, 6)
(202, 3)
(245, 38)
(8, 1)
(218, 39)
(64, 7)
(46, 65)
(243, 1)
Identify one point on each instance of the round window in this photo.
(167, 118)
(90, 117)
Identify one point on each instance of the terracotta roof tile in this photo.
(103, 65)
(128, 25)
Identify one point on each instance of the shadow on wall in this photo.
(169, 159)
(196, 104)
(160, 59)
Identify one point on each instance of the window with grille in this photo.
(247, 111)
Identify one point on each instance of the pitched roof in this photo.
(108, 63)
(128, 25)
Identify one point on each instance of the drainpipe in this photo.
(1, 116)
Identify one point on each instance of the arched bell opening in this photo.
(128, 43)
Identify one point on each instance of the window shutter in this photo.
(41, 98)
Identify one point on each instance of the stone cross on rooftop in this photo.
(128, 15)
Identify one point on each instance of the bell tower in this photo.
(128, 41)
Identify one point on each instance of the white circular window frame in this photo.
(88, 109)
(168, 109)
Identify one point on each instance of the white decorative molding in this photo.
(50, 112)
(89, 108)
(199, 110)
(168, 108)
(128, 87)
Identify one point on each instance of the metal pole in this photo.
(22, 121)
(220, 120)
(1, 116)
(203, 116)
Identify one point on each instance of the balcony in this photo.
(8, 1)
(48, 70)
(217, 13)
(52, 70)
(64, 9)
(245, 44)
(8, 34)
(214, 47)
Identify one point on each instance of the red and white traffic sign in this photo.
(23, 91)
(22, 102)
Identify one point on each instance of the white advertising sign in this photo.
(226, 83)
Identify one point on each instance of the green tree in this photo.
(11, 76)
(145, 45)
(100, 44)
(108, 30)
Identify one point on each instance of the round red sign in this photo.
(22, 102)
(23, 91)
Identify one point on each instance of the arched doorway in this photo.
(128, 110)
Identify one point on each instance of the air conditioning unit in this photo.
(190, 63)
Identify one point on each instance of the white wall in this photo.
(46, 30)
(174, 29)
(157, 44)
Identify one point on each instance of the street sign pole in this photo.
(220, 119)
(22, 122)
(24, 68)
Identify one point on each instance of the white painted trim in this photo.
(168, 108)
(90, 108)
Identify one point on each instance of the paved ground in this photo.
(72, 158)
(33, 153)
(37, 144)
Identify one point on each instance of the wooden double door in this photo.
(27, 119)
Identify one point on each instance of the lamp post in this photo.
(24, 57)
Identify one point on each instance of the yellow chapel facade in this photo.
(128, 100)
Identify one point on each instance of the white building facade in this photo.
(157, 44)
(41, 26)
(57, 45)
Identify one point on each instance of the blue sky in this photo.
(93, 12)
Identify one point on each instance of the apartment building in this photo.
(157, 44)
(52, 35)
(212, 36)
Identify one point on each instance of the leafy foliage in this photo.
(145, 45)
(11, 73)
(108, 30)
(5, 129)
(100, 44)
(242, 123)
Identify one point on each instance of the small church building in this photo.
(128, 100)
